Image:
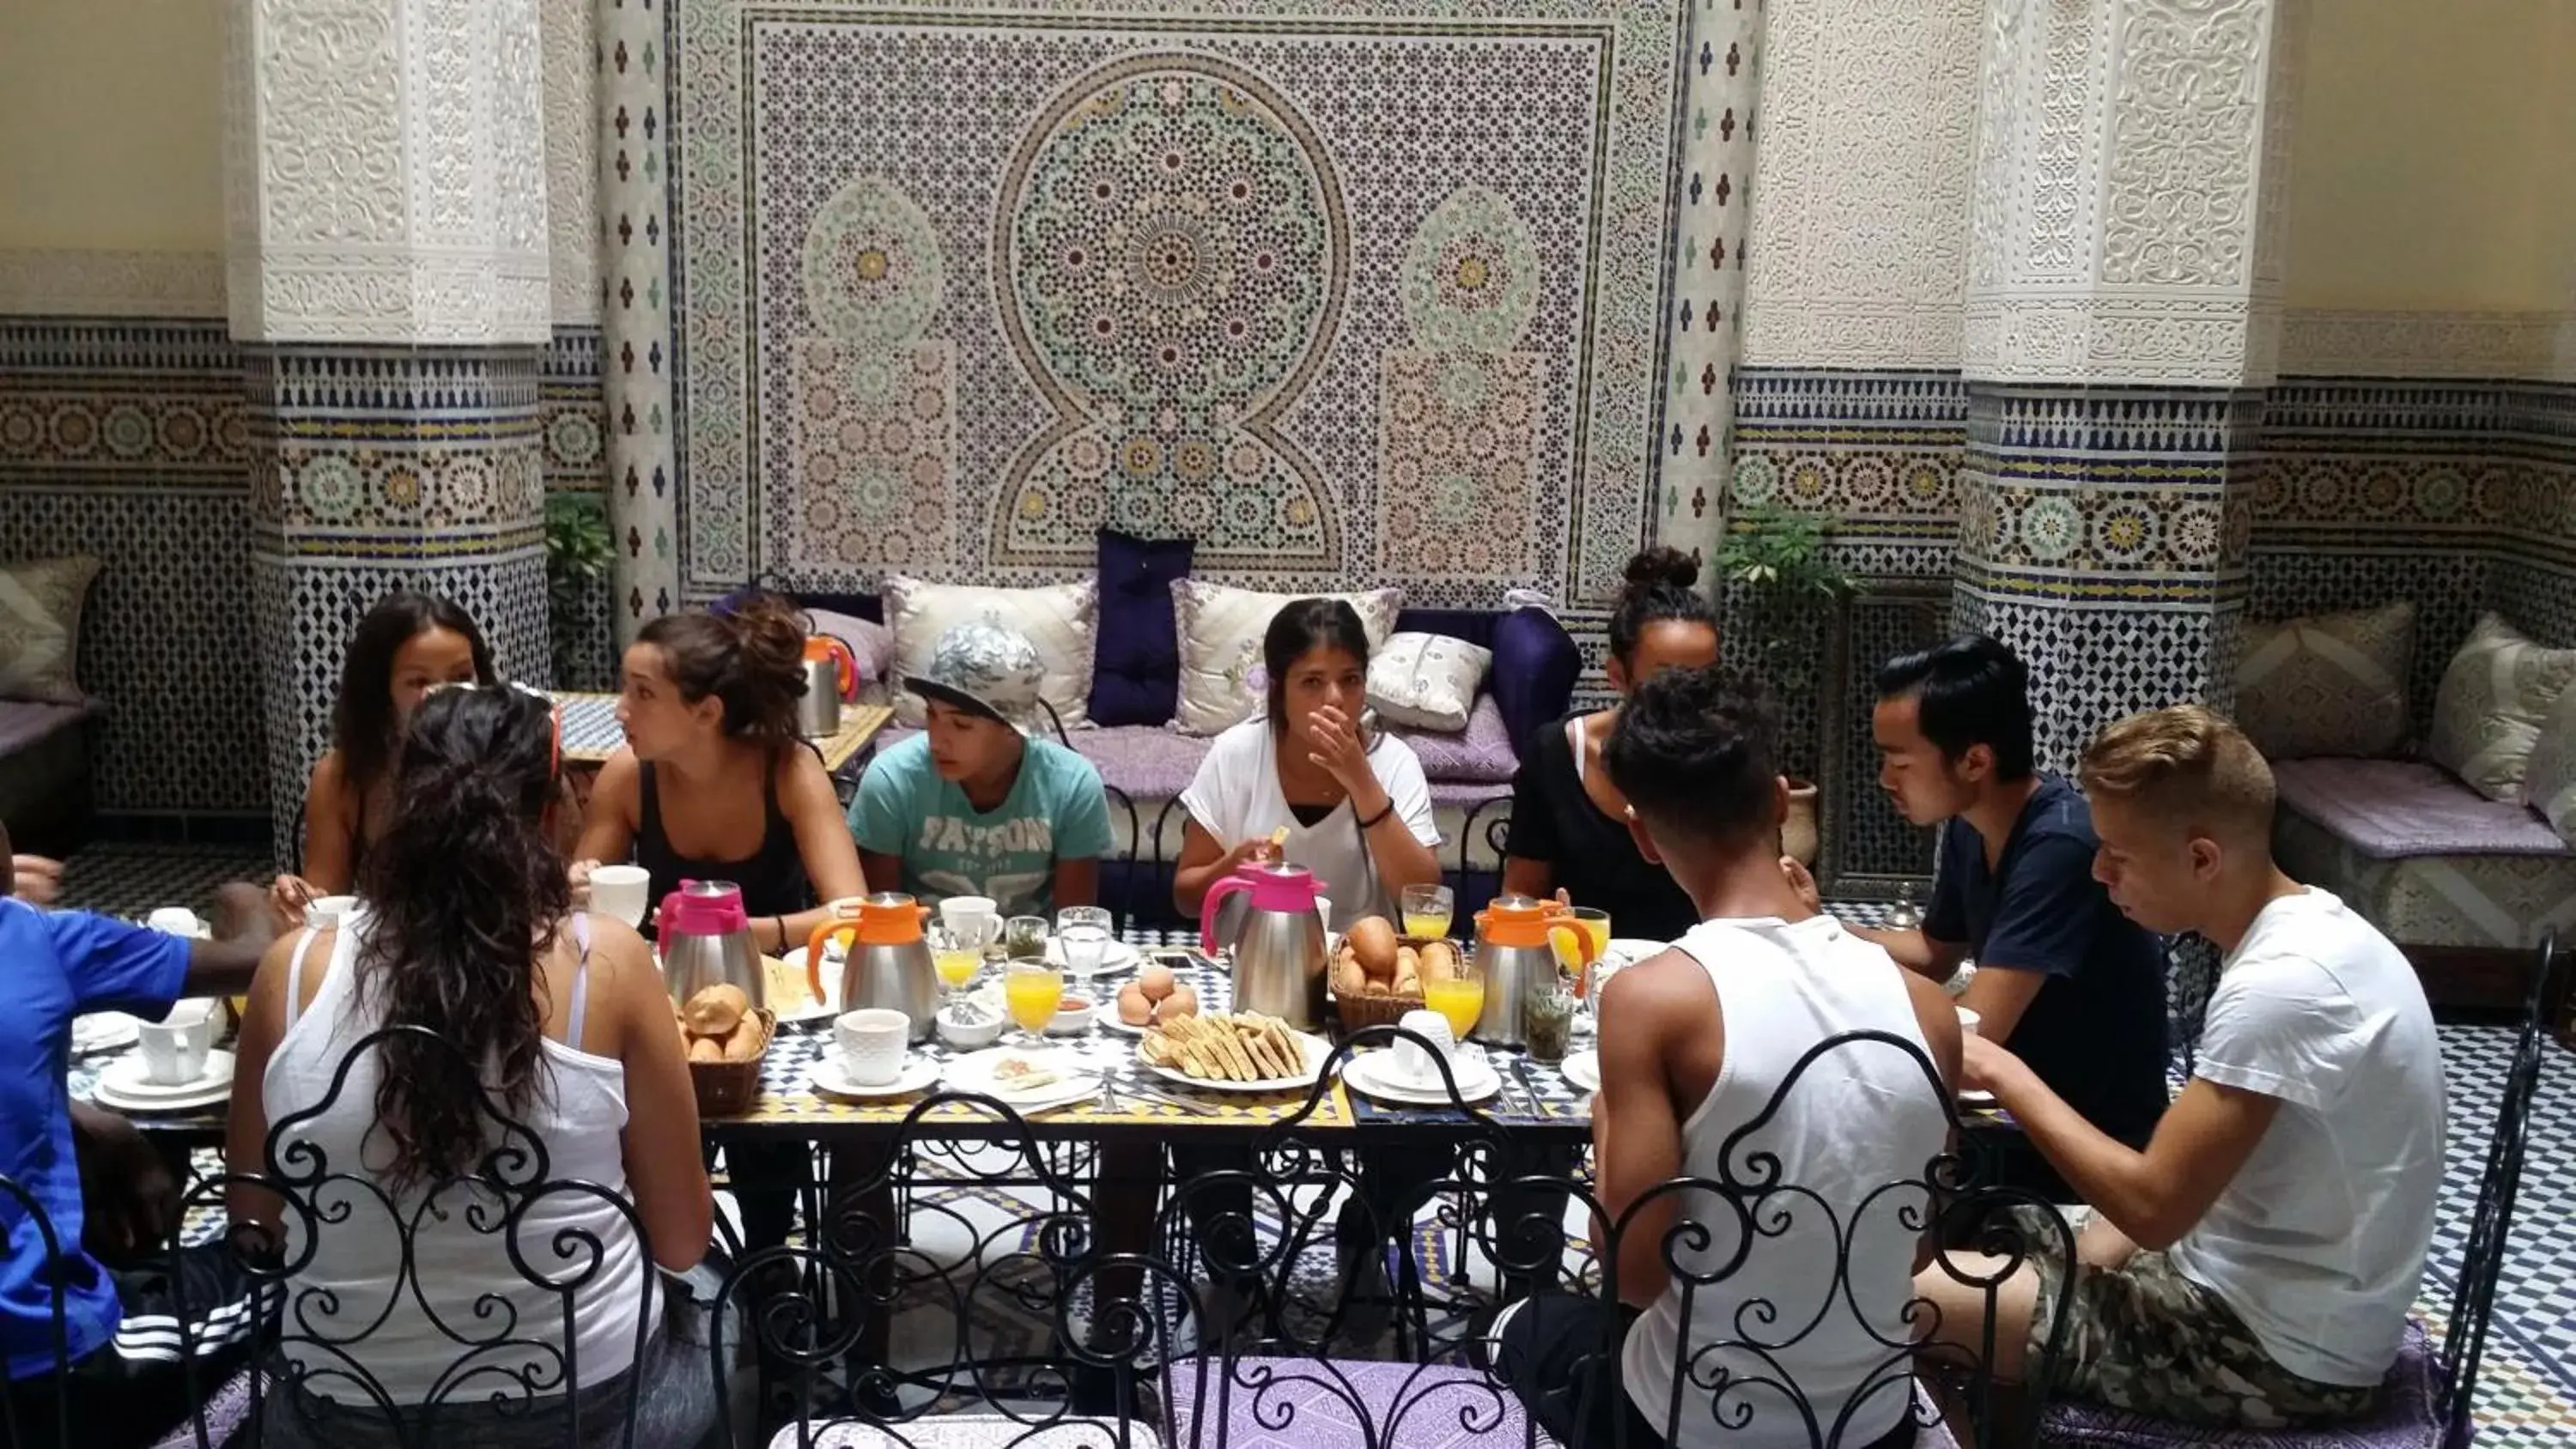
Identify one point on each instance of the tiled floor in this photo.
(2527, 1394)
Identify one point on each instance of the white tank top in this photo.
(579, 1116)
(1862, 1117)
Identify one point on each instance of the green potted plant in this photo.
(1783, 587)
(578, 557)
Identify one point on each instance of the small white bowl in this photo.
(1072, 1019)
(968, 1036)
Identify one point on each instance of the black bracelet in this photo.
(781, 923)
(1379, 818)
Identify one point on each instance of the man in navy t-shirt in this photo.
(123, 1383)
(2064, 980)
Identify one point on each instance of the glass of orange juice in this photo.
(1593, 923)
(1459, 1000)
(1427, 910)
(955, 955)
(1034, 989)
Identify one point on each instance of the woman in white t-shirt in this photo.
(1354, 802)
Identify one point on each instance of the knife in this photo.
(1520, 1072)
(1196, 1109)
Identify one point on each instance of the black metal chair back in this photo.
(2482, 1256)
(517, 1360)
(27, 1217)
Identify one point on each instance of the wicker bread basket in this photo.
(727, 1089)
(1374, 1009)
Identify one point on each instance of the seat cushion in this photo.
(2392, 809)
(2494, 695)
(227, 1413)
(2481, 901)
(2327, 684)
(1300, 1403)
(968, 1431)
(1480, 754)
(25, 724)
(2404, 1421)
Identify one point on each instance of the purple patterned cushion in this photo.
(1300, 1403)
(1481, 754)
(2405, 1419)
(1136, 678)
(2391, 809)
(227, 1410)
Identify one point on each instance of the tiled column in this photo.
(2122, 314)
(635, 312)
(387, 277)
(1709, 228)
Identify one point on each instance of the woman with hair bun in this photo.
(1569, 830)
(714, 782)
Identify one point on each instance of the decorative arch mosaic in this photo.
(1374, 294)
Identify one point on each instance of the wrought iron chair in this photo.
(517, 1365)
(1292, 1382)
(2430, 1392)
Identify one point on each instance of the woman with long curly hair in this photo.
(553, 1019)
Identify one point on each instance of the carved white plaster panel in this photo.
(2130, 161)
(1860, 191)
(2342, 343)
(47, 283)
(2119, 337)
(570, 79)
(385, 177)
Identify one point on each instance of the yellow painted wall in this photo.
(111, 115)
(2435, 162)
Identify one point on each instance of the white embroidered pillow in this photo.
(40, 617)
(1220, 632)
(2328, 684)
(2550, 782)
(2486, 719)
(1427, 681)
(1062, 620)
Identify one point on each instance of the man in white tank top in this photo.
(1697, 1043)
(2253, 1265)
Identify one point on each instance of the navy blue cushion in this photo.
(1136, 666)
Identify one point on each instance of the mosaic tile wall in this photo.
(129, 439)
(1172, 271)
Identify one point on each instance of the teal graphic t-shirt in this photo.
(1056, 811)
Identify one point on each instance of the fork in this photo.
(1108, 1098)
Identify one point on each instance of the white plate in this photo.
(1077, 1078)
(1118, 960)
(831, 1078)
(210, 1090)
(1583, 1069)
(1629, 950)
(1373, 1074)
(104, 1031)
(129, 1079)
(807, 1008)
(1315, 1048)
(1976, 1097)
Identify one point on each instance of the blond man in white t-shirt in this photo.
(2254, 1264)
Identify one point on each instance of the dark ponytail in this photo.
(466, 891)
(1662, 587)
(752, 658)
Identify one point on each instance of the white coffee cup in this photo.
(175, 1047)
(622, 891)
(324, 912)
(176, 921)
(973, 918)
(1968, 1020)
(873, 1041)
(1413, 1065)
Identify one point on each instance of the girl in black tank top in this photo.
(772, 878)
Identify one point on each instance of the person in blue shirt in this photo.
(116, 1376)
(974, 806)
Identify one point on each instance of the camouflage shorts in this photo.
(2143, 1337)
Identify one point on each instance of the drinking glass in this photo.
(955, 955)
(1085, 934)
(1459, 1000)
(1024, 937)
(1547, 1019)
(1427, 909)
(1593, 923)
(1034, 990)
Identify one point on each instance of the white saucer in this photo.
(211, 1089)
(1583, 1070)
(1373, 1074)
(104, 1031)
(831, 1077)
(1118, 960)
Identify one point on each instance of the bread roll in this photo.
(1439, 962)
(717, 1010)
(1374, 942)
(745, 1043)
(706, 1049)
(1348, 978)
